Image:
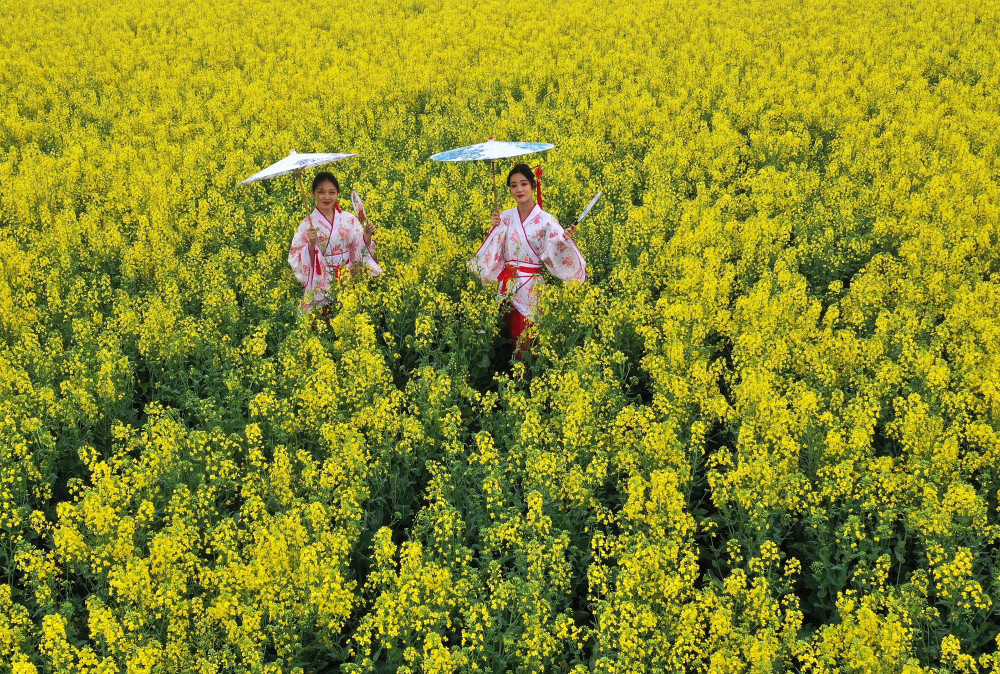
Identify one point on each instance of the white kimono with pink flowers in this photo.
(515, 251)
(339, 245)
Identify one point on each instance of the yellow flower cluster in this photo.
(763, 436)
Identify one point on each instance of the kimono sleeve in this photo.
(560, 254)
(300, 255)
(489, 260)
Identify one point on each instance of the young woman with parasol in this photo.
(330, 242)
(523, 240)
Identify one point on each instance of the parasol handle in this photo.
(493, 165)
(305, 200)
(302, 187)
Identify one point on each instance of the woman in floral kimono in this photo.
(523, 240)
(328, 243)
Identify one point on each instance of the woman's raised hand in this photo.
(369, 231)
(570, 232)
(495, 219)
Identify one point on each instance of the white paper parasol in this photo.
(296, 163)
(491, 150)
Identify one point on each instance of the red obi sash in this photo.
(514, 269)
(317, 270)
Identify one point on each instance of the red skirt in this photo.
(516, 321)
(516, 324)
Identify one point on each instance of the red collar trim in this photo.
(336, 209)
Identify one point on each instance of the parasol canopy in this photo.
(296, 163)
(491, 150)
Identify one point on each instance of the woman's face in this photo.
(520, 189)
(326, 195)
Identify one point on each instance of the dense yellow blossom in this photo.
(764, 436)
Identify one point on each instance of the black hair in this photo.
(325, 176)
(524, 170)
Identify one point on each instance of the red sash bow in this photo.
(512, 271)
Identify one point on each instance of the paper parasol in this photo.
(296, 163)
(491, 150)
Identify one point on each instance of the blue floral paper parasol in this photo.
(491, 150)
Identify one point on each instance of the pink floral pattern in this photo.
(540, 240)
(339, 246)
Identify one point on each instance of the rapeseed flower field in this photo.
(763, 436)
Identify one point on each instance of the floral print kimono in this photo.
(514, 253)
(339, 246)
